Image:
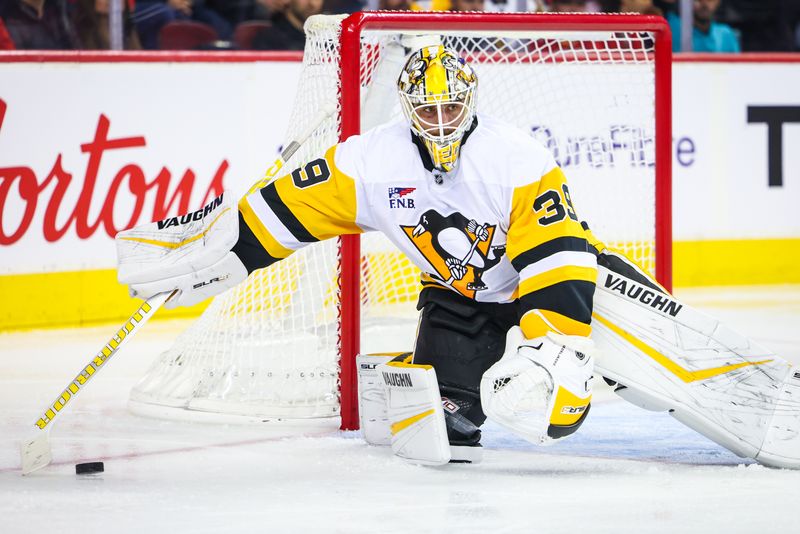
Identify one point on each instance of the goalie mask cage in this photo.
(594, 89)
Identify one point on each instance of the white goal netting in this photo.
(270, 348)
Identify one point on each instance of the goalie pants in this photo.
(461, 339)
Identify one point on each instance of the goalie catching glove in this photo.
(541, 388)
(190, 253)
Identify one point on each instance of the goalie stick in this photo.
(36, 452)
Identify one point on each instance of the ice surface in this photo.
(627, 470)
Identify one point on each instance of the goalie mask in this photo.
(437, 92)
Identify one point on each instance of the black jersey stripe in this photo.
(249, 250)
(285, 215)
(548, 248)
(572, 299)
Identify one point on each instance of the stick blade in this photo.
(35, 453)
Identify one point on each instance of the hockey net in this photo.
(587, 87)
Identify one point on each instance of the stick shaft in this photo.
(125, 332)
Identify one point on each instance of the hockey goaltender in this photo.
(521, 306)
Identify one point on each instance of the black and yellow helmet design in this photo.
(437, 91)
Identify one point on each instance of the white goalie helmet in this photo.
(437, 92)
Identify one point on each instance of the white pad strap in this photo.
(414, 405)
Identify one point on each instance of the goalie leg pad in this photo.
(414, 409)
(669, 356)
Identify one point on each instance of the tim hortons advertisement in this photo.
(89, 149)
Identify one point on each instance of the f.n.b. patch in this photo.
(398, 197)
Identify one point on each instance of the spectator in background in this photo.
(238, 11)
(765, 25)
(235, 11)
(667, 6)
(91, 24)
(271, 8)
(39, 24)
(5, 40)
(573, 6)
(343, 6)
(150, 16)
(643, 7)
(467, 5)
(395, 5)
(286, 32)
(707, 35)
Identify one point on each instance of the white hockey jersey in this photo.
(500, 227)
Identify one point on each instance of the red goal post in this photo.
(350, 80)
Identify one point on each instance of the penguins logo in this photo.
(458, 249)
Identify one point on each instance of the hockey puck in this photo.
(89, 468)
